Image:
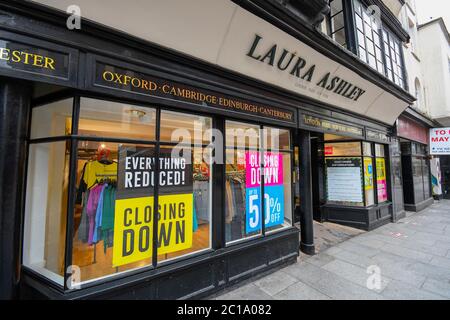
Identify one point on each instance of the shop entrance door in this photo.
(445, 170)
(317, 174)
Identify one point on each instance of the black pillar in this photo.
(306, 200)
(14, 120)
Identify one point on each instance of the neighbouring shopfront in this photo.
(351, 180)
(413, 138)
(143, 169)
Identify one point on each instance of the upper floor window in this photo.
(335, 22)
(394, 63)
(377, 46)
(368, 38)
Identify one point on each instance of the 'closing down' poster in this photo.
(134, 206)
(273, 190)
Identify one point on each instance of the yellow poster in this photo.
(381, 169)
(368, 174)
(133, 227)
(381, 180)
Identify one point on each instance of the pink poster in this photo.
(382, 190)
(273, 171)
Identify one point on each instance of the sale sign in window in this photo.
(381, 180)
(135, 210)
(272, 174)
(440, 141)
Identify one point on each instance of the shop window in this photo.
(117, 159)
(369, 184)
(102, 118)
(46, 208)
(128, 173)
(99, 195)
(245, 156)
(381, 173)
(52, 120)
(242, 192)
(277, 179)
(191, 231)
(350, 173)
(343, 170)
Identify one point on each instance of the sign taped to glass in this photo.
(134, 209)
(273, 190)
(440, 141)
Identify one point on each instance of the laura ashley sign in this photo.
(297, 66)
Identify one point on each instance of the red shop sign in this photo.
(412, 130)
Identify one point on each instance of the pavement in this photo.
(409, 259)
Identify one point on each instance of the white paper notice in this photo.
(344, 180)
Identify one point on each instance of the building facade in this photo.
(96, 200)
(435, 40)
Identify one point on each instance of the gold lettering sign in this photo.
(331, 125)
(140, 83)
(26, 58)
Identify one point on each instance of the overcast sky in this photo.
(427, 9)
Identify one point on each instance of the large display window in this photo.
(258, 162)
(115, 187)
(355, 173)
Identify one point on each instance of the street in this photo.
(409, 259)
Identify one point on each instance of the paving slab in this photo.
(275, 282)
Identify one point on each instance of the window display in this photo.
(136, 181)
(350, 173)
(381, 173)
(246, 166)
(114, 200)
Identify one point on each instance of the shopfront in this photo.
(351, 181)
(413, 138)
(144, 170)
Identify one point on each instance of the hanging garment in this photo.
(91, 209)
(108, 239)
(83, 229)
(109, 200)
(107, 223)
(98, 215)
(194, 217)
(229, 213)
(238, 209)
(95, 169)
(201, 199)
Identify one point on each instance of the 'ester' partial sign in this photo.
(440, 141)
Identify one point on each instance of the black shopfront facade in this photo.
(86, 118)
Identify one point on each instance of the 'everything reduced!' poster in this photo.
(134, 208)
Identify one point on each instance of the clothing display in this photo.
(201, 199)
(97, 196)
